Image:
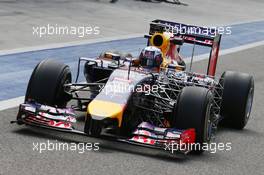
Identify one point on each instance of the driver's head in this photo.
(150, 57)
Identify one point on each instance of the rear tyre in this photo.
(193, 110)
(46, 84)
(237, 100)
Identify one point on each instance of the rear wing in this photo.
(204, 36)
(190, 33)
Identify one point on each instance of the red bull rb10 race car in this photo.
(150, 100)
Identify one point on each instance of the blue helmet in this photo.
(150, 57)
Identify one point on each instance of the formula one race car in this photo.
(150, 100)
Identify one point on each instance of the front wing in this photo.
(147, 135)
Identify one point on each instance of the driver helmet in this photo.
(150, 57)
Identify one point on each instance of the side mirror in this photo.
(135, 62)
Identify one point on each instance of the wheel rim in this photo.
(209, 124)
(209, 130)
(249, 104)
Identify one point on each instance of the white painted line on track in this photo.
(11, 103)
(14, 102)
(225, 51)
(242, 47)
(68, 44)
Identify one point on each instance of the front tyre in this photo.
(46, 84)
(193, 110)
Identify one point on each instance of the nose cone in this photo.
(100, 110)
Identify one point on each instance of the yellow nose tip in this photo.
(104, 109)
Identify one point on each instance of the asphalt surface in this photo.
(17, 154)
(245, 157)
